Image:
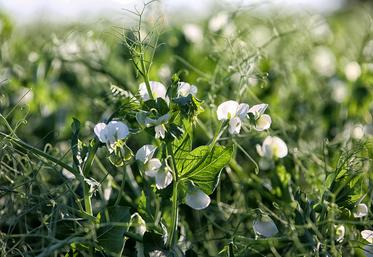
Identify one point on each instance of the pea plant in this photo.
(173, 171)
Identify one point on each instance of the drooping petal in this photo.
(117, 130)
(258, 110)
(243, 110)
(235, 125)
(101, 132)
(265, 226)
(367, 235)
(227, 110)
(163, 178)
(157, 88)
(197, 199)
(152, 167)
(160, 131)
(263, 123)
(145, 153)
(361, 210)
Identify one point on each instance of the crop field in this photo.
(247, 131)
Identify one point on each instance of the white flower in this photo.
(145, 153)
(184, 89)
(352, 71)
(162, 175)
(367, 235)
(218, 22)
(361, 210)
(110, 133)
(265, 226)
(340, 233)
(234, 112)
(163, 178)
(272, 147)
(157, 88)
(323, 61)
(262, 121)
(193, 33)
(160, 131)
(197, 199)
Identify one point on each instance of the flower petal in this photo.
(197, 199)
(243, 110)
(152, 167)
(280, 149)
(340, 233)
(163, 178)
(265, 226)
(145, 153)
(160, 131)
(157, 88)
(101, 132)
(263, 123)
(361, 210)
(117, 130)
(235, 125)
(258, 110)
(367, 235)
(227, 110)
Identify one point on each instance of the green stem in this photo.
(145, 73)
(87, 198)
(174, 215)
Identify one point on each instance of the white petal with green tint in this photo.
(227, 110)
(361, 210)
(145, 153)
(265, 226)
(197, 199)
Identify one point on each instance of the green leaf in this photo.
(203, 166)
(111, 237)
(152, 242)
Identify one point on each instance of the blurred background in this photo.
(310, 60)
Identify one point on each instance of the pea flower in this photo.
(361, 210)
(157, 88)
(272, 147)
(265, 226)
(367, 235)
(153, 166)
(184, 89)
(110, 133)
(197, 199)
(234, 112)
(340, 233)
(262, 121)
(158, 123)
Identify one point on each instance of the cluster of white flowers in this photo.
(231, 111)
(153, 167)
(237, 113)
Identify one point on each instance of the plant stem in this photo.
(174, 214)
(87, 199)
